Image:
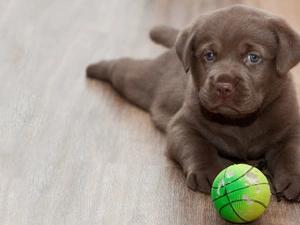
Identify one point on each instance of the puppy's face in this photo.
(238, 58)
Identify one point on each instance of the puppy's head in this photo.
(239, 58)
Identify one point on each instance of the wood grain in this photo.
(72, 151)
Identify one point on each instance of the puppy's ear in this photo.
(183, 47)
(288, 52)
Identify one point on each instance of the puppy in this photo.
(238, 100)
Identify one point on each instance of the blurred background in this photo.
(72, 151)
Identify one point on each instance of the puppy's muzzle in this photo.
(223, 89)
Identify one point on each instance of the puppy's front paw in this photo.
(288, 186)
(202, 180)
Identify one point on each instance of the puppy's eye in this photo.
(209, 56)
(253, 58)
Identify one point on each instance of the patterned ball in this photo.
(240, 193)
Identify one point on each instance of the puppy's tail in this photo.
(164, 35)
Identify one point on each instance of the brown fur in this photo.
(259, 119)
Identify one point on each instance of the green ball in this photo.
(240, 193)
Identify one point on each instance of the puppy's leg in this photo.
(100, 70)
(134, 79)
(197, 157)
(284, 165)
(137, 80)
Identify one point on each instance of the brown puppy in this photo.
(238, 101)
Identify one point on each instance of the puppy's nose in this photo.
(223, 89)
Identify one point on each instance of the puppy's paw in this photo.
(288, 186)
(202, 180)
(98, 70)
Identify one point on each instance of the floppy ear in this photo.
(288, 52)
(183, 47)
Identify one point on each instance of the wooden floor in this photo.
(72, 151)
